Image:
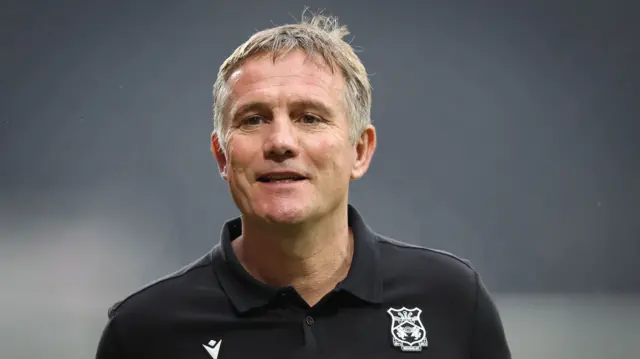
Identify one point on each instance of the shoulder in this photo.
(431, 257)
(167, 292)
(423, 267)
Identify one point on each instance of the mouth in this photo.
(281, 177)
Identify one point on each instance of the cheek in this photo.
(240, 155)
(323, 149)
(332, 155)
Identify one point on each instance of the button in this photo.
(309, 320)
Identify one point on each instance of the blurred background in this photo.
(508, 135)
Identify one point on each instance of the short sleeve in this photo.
(488, 339)
(108, 346)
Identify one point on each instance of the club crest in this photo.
(407, 331)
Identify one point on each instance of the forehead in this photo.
(293, 76)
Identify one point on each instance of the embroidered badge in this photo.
(407, 331)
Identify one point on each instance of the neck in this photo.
(312, 259)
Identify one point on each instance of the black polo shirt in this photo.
(397, 301)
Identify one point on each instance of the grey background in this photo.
(508, 135)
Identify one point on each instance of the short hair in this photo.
(318, 35)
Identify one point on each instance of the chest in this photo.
(369, 332)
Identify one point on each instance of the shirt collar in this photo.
(363, 280)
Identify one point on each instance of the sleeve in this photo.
(488, 339)
(108, 346)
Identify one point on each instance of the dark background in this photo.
(508, 135)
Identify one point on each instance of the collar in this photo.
(363, 280)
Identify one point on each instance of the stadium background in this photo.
(508, 135)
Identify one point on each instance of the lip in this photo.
(280, 173)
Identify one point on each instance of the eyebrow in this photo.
(295, 105)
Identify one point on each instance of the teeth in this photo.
(280, 179)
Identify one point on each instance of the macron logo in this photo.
(213, 348)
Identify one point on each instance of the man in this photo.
(300, 274)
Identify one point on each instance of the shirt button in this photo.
(309, 320)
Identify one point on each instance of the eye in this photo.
(310, 119)
(252, 120)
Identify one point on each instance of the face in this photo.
(288, 155)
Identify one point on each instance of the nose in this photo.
(281, 142)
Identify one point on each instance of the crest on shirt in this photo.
(407, 331)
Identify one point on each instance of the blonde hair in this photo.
(317, 35)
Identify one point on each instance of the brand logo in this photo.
(407, 331)
(213, 348)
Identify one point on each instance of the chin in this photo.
(283, 212)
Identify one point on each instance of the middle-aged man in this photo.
(300, 274)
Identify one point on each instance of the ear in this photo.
(364, 147)
(219, 154)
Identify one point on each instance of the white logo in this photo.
(407, 331)
(213, 348)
